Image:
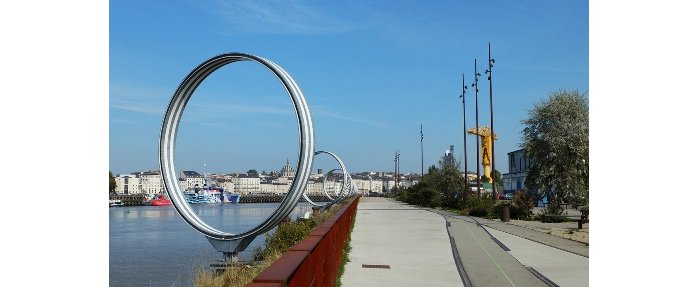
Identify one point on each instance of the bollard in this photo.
(584, 218)
(505, 213)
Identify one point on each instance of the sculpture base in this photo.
(231, 248)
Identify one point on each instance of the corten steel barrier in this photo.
(315, 261)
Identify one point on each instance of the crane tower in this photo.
(486, 137)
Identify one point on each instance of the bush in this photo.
(553, 218)
(523, 205)
(479, 206)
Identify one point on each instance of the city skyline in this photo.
(372, 73)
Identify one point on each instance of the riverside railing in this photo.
(315, 261)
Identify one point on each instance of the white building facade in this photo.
(245, 184)
(192, 179)
(152, 183)
(518, 168)
(128, 184)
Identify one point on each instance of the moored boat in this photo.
(115, 203)
(201, 196)
(160, 200)
(233, 198)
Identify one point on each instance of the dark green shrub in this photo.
(479, 206)
(553, 218)
(522, 205)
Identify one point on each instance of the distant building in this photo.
(228, 185)
(366, 184)
(518, 168)
(449, 156)
(246, 184)
(192, 179)
(147, 182)
(314, 187)
(152, 183)
(128, 184)
(274, 188)
(287, 171)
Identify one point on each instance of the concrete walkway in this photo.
(413, 242)
(428, 247)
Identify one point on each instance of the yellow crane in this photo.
(486, 138)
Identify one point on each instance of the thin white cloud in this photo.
(145, 100)
(324, 112)
(281, 17)
(138, 107)
(122, 121)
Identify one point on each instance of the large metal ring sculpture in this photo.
(225, 242)
(346, 177)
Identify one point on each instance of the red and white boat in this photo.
(160, 200)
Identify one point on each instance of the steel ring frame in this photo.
(323, 185)
(344, 171)
(168, 136)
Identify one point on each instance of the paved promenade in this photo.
(426, 247)
(412, 241)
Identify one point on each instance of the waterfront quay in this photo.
(142, 199)
(396, 244)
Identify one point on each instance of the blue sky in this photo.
(371, 71)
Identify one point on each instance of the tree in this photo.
(485, 178)
(112, 183)
(498, 178)
(556, 139)
(448, 182)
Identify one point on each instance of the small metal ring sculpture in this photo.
(344, 171)
(229, 243)
(324, 190)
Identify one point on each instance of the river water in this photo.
(153, 246)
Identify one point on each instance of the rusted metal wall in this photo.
(314, 261)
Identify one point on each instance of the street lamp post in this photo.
(421, 143)
(465, 143)
(477, 129)
(398, 171)
(395, 172)
(489, 77)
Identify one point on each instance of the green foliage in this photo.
(290, 233)
(484, 178)
(112, 183)
(479, 206)
(523, 205)
(285, 236)
(553, 218)
(438, 188)
(556, 139)
(553, 208)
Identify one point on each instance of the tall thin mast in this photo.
(465, 142)
(489, 77)
(477, 130)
